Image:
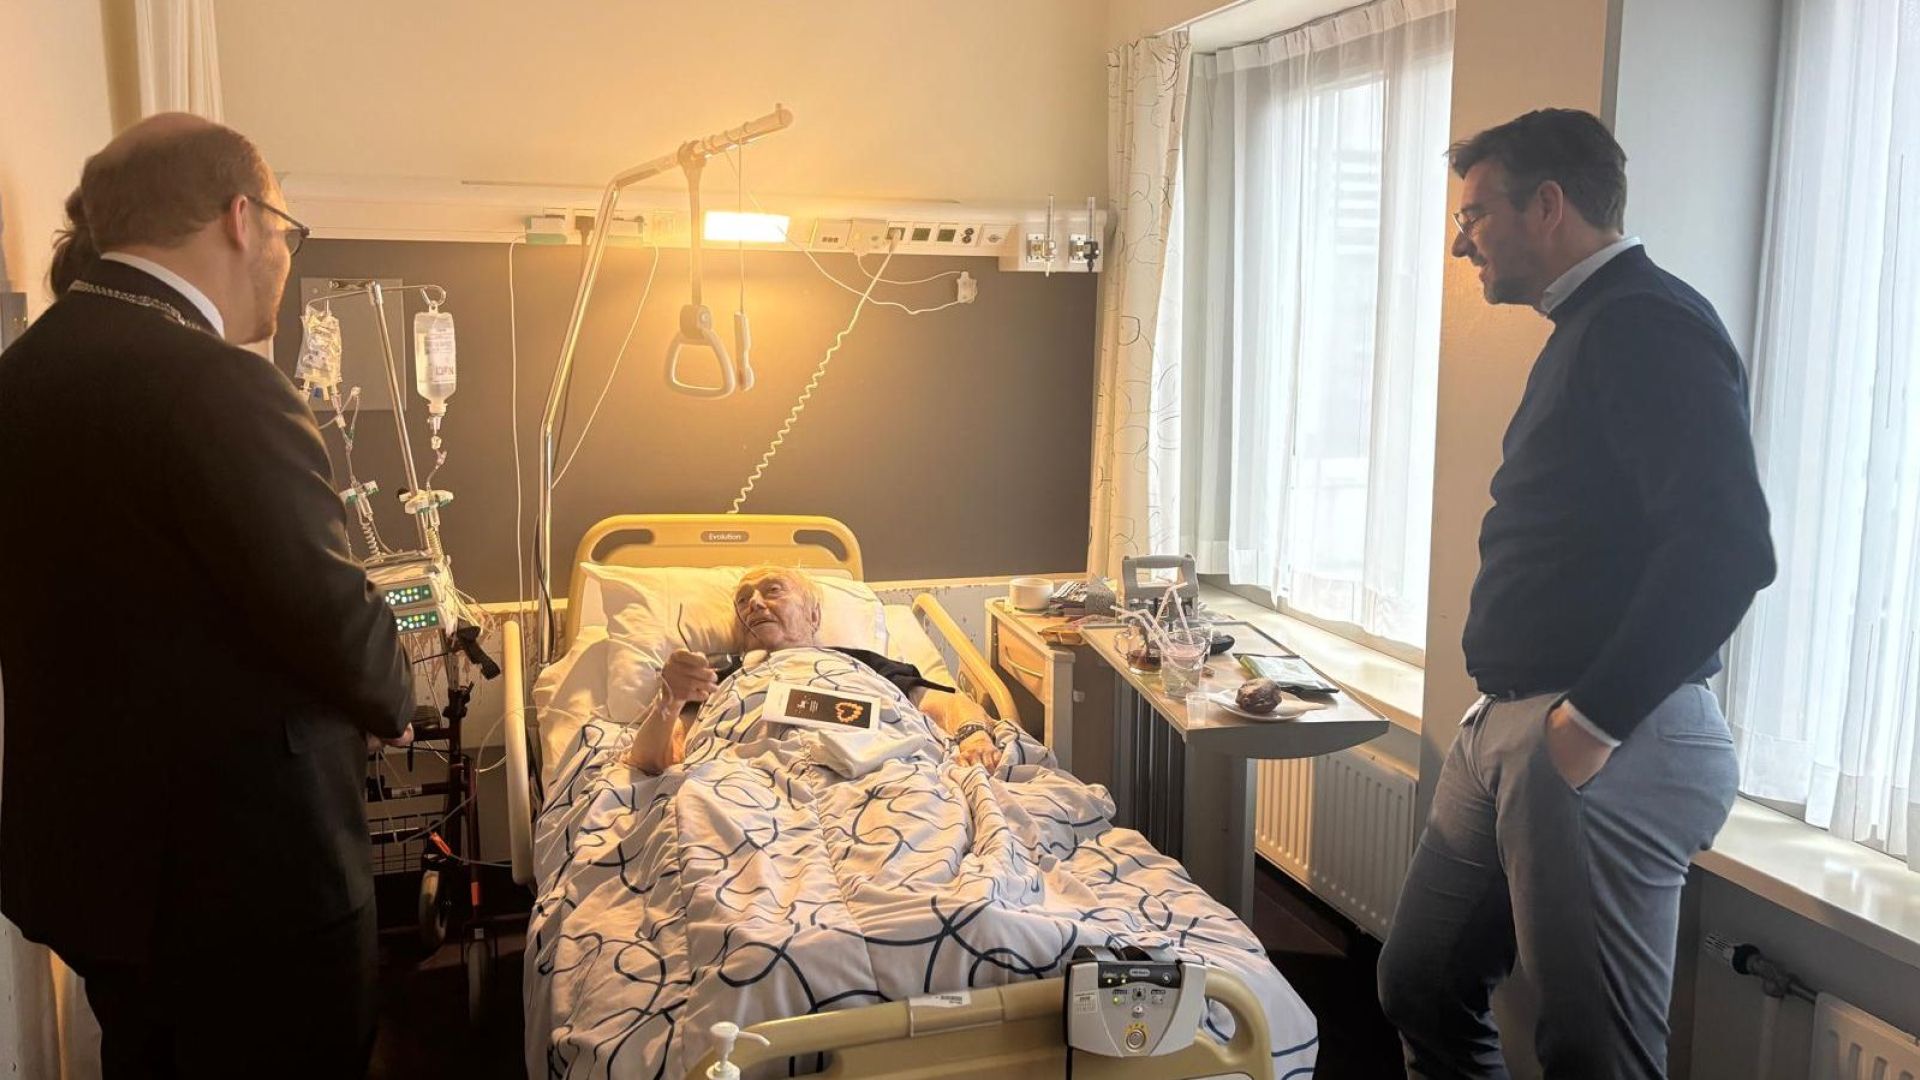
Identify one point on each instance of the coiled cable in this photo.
(806, 394)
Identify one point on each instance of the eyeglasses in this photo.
(1465, 222)
(296, 235)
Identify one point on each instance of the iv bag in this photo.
(318, 369)
(433, 362)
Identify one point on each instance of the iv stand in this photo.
(428, 519)
(694, 153)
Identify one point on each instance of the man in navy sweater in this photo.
(1628, 536)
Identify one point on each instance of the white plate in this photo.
(1290, 707)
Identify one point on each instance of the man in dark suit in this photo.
(192, 657)
(1628, 536)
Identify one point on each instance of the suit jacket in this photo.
(190, 652)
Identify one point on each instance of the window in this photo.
(1300, 325)
(1823, 681)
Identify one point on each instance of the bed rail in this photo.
(815, 543)
(522, 781)
(977, 677)
(998, 1033)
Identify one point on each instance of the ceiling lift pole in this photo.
(693, 153)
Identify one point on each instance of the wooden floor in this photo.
(424, 1030)
(1331, 966)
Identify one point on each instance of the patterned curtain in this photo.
(1147, 104)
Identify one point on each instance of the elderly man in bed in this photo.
(779, 608)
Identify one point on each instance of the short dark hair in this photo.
(161, 189)
(1570, 147)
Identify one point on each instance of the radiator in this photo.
(1342, 825)
(1850, 1043)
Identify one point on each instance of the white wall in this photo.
(1128, 20)
(984, 100)
(53, 113)
(1509, 56)
(1725, 1008)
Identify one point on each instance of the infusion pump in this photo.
(419, 589)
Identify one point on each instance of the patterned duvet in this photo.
(758, 880)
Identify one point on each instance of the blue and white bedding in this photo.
(758, 880)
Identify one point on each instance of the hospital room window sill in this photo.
(1386, 684)
(1853, 890)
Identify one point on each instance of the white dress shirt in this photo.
(1577, 274)
(178, 284)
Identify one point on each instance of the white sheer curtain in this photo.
(1312, 236)
(179, 56)
(1823, 686)
(1146, 106)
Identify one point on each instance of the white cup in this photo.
(1029, 593)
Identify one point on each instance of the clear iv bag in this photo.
(433, 360)
(318, 369)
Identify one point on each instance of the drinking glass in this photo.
(1182, 660)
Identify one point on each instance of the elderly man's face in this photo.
(777, 611)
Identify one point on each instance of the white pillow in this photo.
(908, 640)
(651, 611)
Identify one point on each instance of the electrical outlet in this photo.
(869, 237)
(969, 289)
(626, 230)
(832, 236)
(665, 226)
(13, 316)
(551, 227)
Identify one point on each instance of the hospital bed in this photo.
(963, 1029)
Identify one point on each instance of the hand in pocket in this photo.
(1576, 755)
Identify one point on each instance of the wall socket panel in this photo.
(928, 237)
(13, 317)
(829, 235)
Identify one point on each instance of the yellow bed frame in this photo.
(1001, 1033)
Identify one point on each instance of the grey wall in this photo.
(1690, 97)
(1692, 104)
(954, 443)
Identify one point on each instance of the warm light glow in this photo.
(731, 227)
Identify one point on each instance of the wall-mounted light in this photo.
(730, 227)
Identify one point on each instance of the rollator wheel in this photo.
(433, 916)
(477, 954)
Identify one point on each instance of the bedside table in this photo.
(1052, 681)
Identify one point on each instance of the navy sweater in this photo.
(1628, 533)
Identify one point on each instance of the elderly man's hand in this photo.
(978, 749)
(689, 677)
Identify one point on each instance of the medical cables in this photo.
(858, 261)
(806, 394)
(614, 373)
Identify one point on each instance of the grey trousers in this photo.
(1584, 884)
